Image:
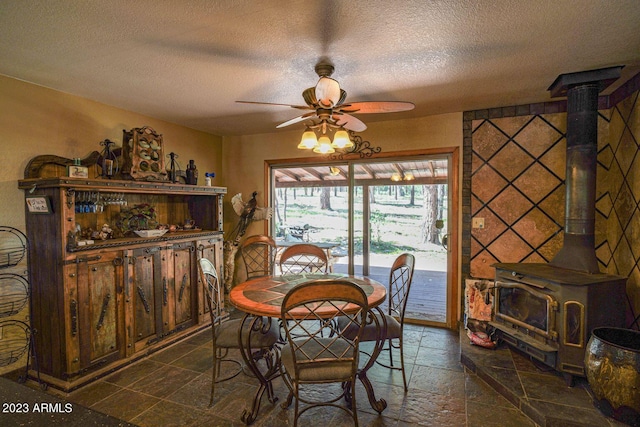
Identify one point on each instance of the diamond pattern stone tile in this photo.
(476, 163)
(603, 131)
(512, 125)
(632, 233)
(614, 230)
(510, 161)
(487, 139)
(534, 257)
(476, 247)
(623, 258)
(604, 205)
(493, 227)
(539, 220)
(625, 205)
(486, 183)
(627, 106)
(510, 205)
(614, 179)
(552, 247)
(536, 182)
(476, 205)
(481, 265)
(536, 228)
(537, 137)
(605, 157)
(558, 121)
(616, 128)
(555, 159)
(633, 178)
(604, 253)
(510, 246)
(553, 205)
(627, 151)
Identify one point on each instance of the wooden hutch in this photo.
(97, 306)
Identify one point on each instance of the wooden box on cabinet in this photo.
(99, 306)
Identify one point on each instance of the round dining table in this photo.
(261, 299)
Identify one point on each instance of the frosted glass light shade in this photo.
(324, 146)
(308, 140)
(341, 140)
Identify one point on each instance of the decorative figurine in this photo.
(109, 161)
(247, 212)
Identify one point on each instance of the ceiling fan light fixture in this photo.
(308, 140)
(324, 146)
(408, 176)
(396, 177)
(341, 140)
(327, 92)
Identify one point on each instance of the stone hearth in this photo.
(538, 391)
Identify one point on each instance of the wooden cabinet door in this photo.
(183, 285)
(210, 249)
(146, 295)
(97, 317)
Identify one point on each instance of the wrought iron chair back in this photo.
(400, 278)
(259, 255)
(317, 351)
(303, 258)
(222, 335)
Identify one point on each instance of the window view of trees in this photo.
(402, 217)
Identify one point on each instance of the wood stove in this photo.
(549, 310)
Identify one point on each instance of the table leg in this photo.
(271, 357)
(377, 404)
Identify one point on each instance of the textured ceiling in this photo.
(188, 61)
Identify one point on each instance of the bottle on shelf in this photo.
(192, 173)
(207, 178)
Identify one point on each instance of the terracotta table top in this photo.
(263, 296)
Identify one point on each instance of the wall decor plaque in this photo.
(143, 152)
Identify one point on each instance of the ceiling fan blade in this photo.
(349, 122)
(299, 107)
(296, 119)
(327, 92)
(370, 107)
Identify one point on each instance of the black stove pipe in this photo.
(582, 89)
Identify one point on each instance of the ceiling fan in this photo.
(328, 107)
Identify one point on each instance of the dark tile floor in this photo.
(538, 391)
(171, 387)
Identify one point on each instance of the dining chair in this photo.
(259, 255)
(225, 332)
(400, 278)
(303, 258)
(312, 357)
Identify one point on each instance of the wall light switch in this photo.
(477, 223)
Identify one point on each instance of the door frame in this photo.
(454, 220)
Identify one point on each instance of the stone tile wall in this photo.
(513, 178)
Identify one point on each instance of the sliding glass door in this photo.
(367, 213)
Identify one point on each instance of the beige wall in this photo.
(244, 156)
(35, 121)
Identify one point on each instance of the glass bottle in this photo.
(192, 173)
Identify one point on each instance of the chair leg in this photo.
(354, 411)
(404, 375)
(214, 374)
(296, 412)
